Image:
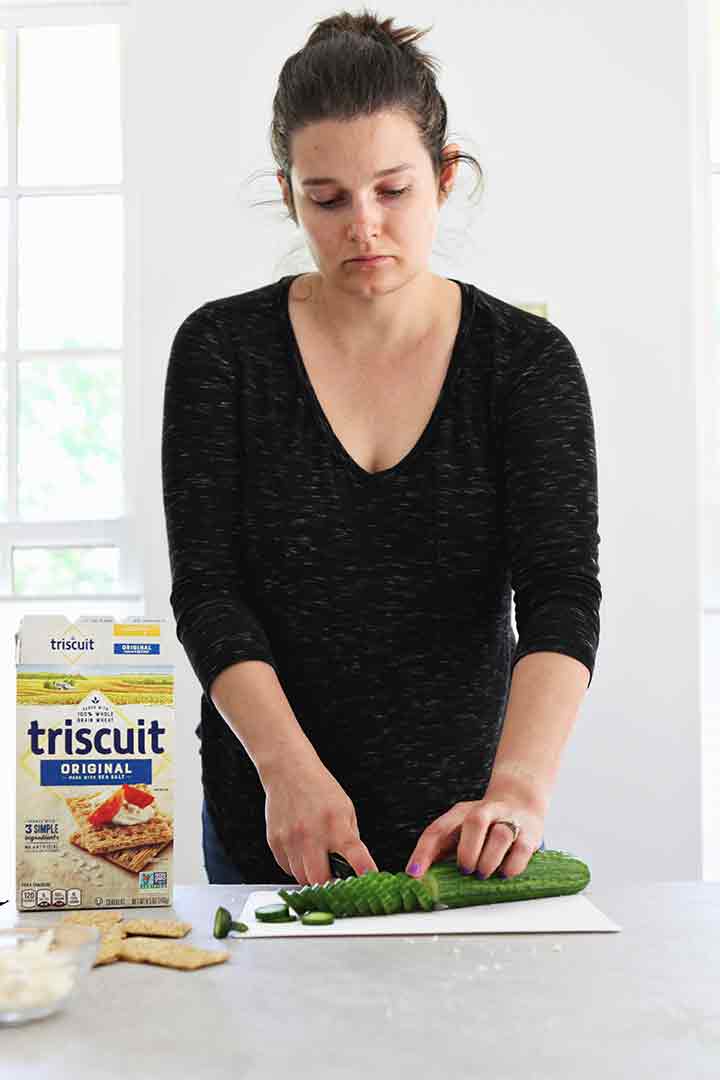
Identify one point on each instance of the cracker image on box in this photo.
(131, 858)
(114, 821)
(95, 772)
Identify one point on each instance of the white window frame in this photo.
(122, 531)
(705, 15)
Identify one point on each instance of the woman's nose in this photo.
(363, 231)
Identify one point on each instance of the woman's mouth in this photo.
(375, 260)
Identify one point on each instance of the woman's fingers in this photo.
(437, 840)
(483, 847)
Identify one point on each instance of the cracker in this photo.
(111, 927)
(132, 859)
(158, 830)
(110, 945)
(92, 918)
(174, 954)
(169, 928)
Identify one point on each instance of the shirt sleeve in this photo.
(202, 469)
(551, 502)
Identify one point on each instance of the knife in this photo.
(339, 866)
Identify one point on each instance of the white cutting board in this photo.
(547, 914)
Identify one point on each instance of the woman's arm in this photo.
(546, 692)
(202, 475)
(551, 523)
(202, 470)
(551, 501)
(250, 699)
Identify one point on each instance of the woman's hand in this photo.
(308, 814)
(482, 844)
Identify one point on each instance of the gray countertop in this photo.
(641, 1002)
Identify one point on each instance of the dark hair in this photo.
(358, 65)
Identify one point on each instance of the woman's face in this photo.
(394, 215)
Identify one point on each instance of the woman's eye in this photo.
(392, 193)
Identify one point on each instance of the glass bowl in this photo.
(42, 967)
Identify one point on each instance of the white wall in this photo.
(579, 114)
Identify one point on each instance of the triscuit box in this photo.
(95, 776)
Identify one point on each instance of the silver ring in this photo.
(513, 825)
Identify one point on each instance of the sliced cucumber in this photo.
(274, 913)
(317, 918)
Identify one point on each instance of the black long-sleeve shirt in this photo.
(383, 599)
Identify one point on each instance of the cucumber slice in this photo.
(293, 899)
(317, 918)
(273, 913)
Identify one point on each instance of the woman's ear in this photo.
(447, 174)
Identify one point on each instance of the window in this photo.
(68, 378)
(64, 379)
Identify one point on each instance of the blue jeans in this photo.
(219, 868)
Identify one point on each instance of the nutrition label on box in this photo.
(45, 897)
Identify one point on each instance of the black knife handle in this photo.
(339, 866)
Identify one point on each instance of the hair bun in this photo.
(366, 24)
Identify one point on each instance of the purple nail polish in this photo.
(479, 875)
(414, 868)
(502, 874)
(464, 870)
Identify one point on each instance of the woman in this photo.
(358, 464)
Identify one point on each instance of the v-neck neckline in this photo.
(454, 366)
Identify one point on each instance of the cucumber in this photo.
(274, 913)
(224, 923)
(317, 918)
(548, 873)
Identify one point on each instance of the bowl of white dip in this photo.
(41, 968)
